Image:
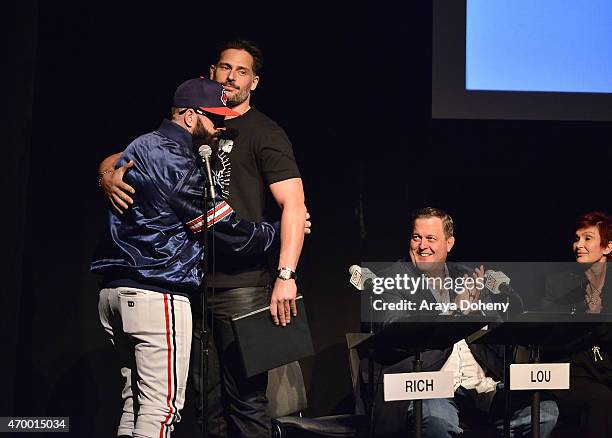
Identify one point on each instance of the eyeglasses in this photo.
(218, 120)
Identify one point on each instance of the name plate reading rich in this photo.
(418, 386)
(525, 376)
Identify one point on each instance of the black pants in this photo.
(587, 403)
(217, 426)
(244, 402)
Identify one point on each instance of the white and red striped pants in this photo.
(151, 332)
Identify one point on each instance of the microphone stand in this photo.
(204, 333)
(508, 359)
(507, 394)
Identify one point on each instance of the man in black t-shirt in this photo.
(256, 157)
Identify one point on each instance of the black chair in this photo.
(287, 395)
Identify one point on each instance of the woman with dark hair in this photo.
(587, 290)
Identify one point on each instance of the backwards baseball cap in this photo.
(205, 94)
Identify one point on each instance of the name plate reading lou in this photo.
(525, 376)
(417, 386)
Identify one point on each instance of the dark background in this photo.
(351, 86)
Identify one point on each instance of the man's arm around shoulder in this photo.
(111, 181)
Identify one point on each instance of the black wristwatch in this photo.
(285, 274)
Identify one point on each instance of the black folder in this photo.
(264, 346)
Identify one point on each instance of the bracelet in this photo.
(101, 174)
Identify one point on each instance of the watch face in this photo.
(285, 274)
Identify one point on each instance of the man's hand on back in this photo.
(116, 190)
(307, 224)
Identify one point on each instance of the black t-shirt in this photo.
(259, 154)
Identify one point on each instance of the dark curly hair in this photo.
(248, 46)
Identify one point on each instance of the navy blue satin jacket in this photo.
(156, 244)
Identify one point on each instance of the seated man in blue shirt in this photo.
(476, 368)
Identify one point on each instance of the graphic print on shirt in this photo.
(223, 173)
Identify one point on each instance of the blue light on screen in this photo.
(539, 45)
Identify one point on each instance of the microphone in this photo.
(498, 282)
(205, 152)
(361, 278)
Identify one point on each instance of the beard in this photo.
(236, 99)
(202, 136)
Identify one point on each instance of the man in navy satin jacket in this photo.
(156, 243)
(152, 256)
